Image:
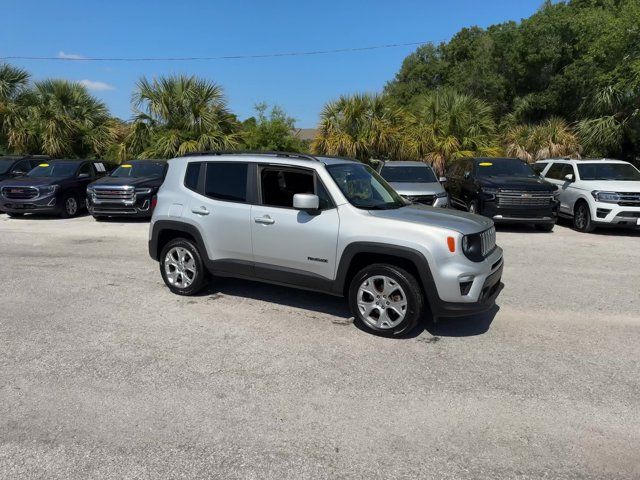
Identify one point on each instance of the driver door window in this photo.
(278, 186)
(86, 171)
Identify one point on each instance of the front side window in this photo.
(364, 188)
(86, 170)
(226, 181)
(278, 186)
(539, 167)
(503, 167)
(609, 171)
(417, 174)
(555, 171)
(56, 170)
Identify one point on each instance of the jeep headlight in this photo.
(606, 197)
(472, 247)
(47, 190)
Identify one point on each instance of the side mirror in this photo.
(443, 179)
(467, 175)
(306, 202)
(18, 173)
(569, 177)
(83, 175)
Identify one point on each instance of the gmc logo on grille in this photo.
(15, 190)
(526, 195)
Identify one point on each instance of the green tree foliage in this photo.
(577, 59)
(58, 118)
(13, 83)
(271, 130)
(177, 115)
(552, 138)
(360, 126)
(444, 125)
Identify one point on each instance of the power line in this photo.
(223, 57)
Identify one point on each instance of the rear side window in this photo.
(192, 175)
(226, 181)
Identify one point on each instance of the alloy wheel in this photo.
(180, 267)
(71, 205)
(382, 302)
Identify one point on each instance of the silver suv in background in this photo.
(326, 224)
(595, 192)
(416, 182)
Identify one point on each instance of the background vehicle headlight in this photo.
(143, 191)
(441, 194)
(47, 190)
(489, 193)
(607, 197)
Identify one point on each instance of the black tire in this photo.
(199, 279)
(582, 218)
(408, 285)
(473, 207)
(544, 227)
(15, 214)
(67, 209)
(99, 219)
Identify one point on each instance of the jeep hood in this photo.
(463, 222)
(415, 189)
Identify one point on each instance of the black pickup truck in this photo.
(56, 187)
(129, 191)
(506, 190)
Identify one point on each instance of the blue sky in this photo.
(301, 85)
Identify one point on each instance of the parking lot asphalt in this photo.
(106, 374)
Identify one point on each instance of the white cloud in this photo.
(70, 56)
(96, 86)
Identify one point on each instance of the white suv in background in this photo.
(595, 192)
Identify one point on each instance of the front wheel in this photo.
(582, 218)
(385, 300)
(182, 268)
(70, 207)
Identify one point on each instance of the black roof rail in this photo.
(301, 156)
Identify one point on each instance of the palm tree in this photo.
(13, 83)
(610, 118)
(60, 118)
(178, 114)
(445, 125)
(552, 138)
(360, 126)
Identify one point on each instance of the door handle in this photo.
(200, 211)
(266, 220)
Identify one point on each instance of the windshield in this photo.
(58, 169)
(140, 169)
(504, 167)
(417, 174)
(609, 171)
(364, 188)
(5, 165)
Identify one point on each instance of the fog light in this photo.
(602, 212)
(465, 288)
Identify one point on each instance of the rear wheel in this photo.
(386, 300)
(582, 218)
(182, 268)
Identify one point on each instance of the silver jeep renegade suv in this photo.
(326, 224)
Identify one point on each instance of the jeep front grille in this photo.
(519, 198)
(488, 241)
(19, 193)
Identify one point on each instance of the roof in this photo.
(405, 163)
(582, 160)
(285, 158)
